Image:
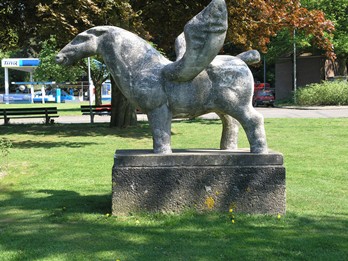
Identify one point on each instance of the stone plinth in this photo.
(198, 179)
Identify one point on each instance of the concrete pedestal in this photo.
(198, 179)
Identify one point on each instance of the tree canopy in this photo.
(49, 70)
(251, 23)
(28, 23)
(337, 12)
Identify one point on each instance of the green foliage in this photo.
(282, 44)
(50, 70)
(337, 12)
(24, 24)
(325, 93)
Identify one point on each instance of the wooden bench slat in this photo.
(36, 112)
(33, 117)
(29, 113)
(92, 110)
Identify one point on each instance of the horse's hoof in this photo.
(259, 150)
(163, 151)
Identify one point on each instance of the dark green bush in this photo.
(325, 93)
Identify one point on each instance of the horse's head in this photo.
(83, 45)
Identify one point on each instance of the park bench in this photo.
(92, 110)
(35, 112)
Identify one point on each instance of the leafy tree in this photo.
(252, 24)
(99, 74)
(337, 12)
(49, 70)
(17, 24)
(263, 19)
(69, 18)
(27, 23)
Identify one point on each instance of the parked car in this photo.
(50, 96)
(263, 97)
(260, 86)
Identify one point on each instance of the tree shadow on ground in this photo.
(77, 109)
(142, 130)
(67, 225)
(202, 121)
(29, 144)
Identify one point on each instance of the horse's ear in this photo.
(98, 30)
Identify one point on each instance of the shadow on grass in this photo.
(77, 109)
(142, 130)
(202, 121)
(52, 201)
(68, 226)
(29, 144)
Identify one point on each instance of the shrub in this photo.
(325, 93)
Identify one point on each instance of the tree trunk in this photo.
(122, 112)
(97, 92)
(342, 66)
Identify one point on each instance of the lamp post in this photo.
(295, 69)
(90, 82)
(264, 71)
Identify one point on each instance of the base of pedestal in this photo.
(198, 179)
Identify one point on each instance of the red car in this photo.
(261, 86)
(263, 97)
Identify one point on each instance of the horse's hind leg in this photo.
(160, 121)
(230, 128)
(252, 122)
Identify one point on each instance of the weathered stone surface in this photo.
(198, 179)
(198, 82)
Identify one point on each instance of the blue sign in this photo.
(25, 62)
(31, 62)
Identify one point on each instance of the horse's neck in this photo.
(127, 55)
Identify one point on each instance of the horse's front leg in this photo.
(160, 120)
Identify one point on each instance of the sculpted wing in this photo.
(203, 37)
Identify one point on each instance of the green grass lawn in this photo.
(55, 197)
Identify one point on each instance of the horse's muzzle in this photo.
(61, 59)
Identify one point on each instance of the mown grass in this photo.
(55, 200)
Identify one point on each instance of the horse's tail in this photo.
(250, 57)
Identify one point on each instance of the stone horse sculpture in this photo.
(198, 82)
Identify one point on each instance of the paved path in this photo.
(284, 112)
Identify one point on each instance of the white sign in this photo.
(10, 62)
(24, 62)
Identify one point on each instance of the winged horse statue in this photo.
(198, 82)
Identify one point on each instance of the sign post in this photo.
(21, 64)
(90, 83)
(7, 89)
(58, 95)
(43, 94)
